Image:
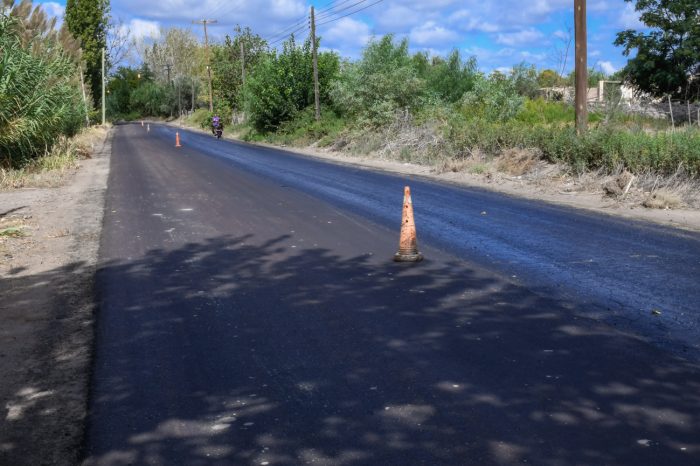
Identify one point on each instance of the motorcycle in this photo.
(217, 128)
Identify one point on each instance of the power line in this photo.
(331, 13)
(304, 28)
(351, 13)
(331, 7)
(287, 31)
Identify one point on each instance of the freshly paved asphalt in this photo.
(250, 314)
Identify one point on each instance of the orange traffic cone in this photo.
(408, 244)
(177, 140)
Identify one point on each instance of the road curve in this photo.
(250, 314)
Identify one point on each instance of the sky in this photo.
(499, 34)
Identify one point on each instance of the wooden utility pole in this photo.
(317, 97)
(168, 66)
(104, 107)
(581, 72)
(204, 22)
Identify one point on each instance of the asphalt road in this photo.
(250, 314)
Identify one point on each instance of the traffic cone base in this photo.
(408, 244)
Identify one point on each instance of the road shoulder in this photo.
(47, 312)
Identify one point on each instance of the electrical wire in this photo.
(351, 13)
(331, 6)
(283, 33)
(283, 38)
(329, 14)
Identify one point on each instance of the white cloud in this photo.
(630, 18)
(535, 58)
(431, 33)
(54, 9)
(607, 67)
(345, 33)
(467, 20)
(140, 28)
(519, 38)
(563, 35)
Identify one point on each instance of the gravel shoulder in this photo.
(47, 307)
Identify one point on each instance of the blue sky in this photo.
(499, 33)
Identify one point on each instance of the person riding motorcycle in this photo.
(217, 126)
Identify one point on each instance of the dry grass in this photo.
(662, 199)
(677, 190)
(447, 165)
(51, 169)
(517, 162)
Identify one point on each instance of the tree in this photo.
(450, 77)
(282, 84)
(524, 79)
(384, 81)
(226, 65)
(87, 20)
(549, 78)
(668, 56)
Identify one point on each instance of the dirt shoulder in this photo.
(47, 307)
(545, 182)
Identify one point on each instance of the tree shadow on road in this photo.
(254, 353)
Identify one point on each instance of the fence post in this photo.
(670, 109)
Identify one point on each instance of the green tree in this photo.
(385, 80)
(668, 56)
(282, 84)
(152, 99)
(449, 78)
(524, 79)
(226, 65)
(548, 78)
(87, 21)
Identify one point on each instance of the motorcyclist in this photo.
(217, 126)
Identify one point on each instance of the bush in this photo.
(383, 81)
(492, 99)
(39, 97)
(151, 99)
(603, 147)
(282, 85)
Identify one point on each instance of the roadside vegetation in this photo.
(40, 98)
(46, 82)
(441, 111)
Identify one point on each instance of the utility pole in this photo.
(204, 22)
(104, 107)
(168, 66)
(317, 98)
(581, 70)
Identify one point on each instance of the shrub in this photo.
(383, 81)
(282, 85)
(39, 96)
(492, 99)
